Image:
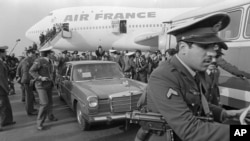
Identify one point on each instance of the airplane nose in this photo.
(32, 34)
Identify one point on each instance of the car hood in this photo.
(104, 88)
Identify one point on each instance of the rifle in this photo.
(154, 121)
(148, 121)
(151, 123)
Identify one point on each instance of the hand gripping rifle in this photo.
(154, 123)
(149, 121)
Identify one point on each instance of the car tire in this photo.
(83, 123)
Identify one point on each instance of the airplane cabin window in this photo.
(232, 30)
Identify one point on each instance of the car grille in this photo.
(124, 102)
(104, 105)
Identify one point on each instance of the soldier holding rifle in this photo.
(176, 89)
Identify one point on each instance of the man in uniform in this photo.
(176, 88)
(18, 78)
(42, 72)
(129, 64)
(6, 117)
(26, 79)
(141, 67)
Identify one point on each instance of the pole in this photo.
(14, 46)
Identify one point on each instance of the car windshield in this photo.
(96, 71)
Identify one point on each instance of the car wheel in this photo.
(59, 92)
(83, 123)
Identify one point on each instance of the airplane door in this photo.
(65, 26)
(119, 26)
(123, 26)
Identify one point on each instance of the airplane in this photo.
(122, 28)
(234, 91)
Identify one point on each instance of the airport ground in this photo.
(65, 129)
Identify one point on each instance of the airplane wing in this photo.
(148, 39)
(138, 39)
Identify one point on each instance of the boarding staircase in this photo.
(65, 34)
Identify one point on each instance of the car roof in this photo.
(85, 62)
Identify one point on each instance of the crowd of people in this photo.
(24, 70)
(136, 65)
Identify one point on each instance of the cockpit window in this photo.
(50, 14)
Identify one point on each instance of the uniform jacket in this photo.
(44, 68)
(231, 69)
(18, 70)
(213, 96)
(24, 69)
(141, 65)
(4, 88)
(173, 92)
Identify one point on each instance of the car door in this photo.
(64, 80)
(68, 85)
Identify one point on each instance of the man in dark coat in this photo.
(6, 116)
(99, 53)
(141, 67)
(26, 79)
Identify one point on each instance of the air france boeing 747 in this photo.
(122, 28)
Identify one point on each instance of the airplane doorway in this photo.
(65, 26)
(123, 26)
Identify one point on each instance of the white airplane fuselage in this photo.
(95, 26)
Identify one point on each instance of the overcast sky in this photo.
(16, 16)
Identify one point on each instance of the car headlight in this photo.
(93, 101)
